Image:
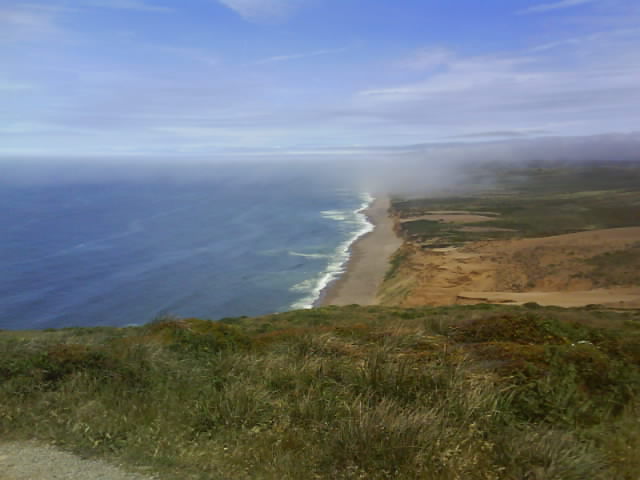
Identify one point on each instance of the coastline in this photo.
(368, 262)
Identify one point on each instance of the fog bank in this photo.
(397, 169)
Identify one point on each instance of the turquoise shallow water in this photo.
(122, 252)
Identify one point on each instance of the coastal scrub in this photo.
(339, 392)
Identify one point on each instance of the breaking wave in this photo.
(336, 266)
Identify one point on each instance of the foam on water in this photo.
(339, 215)
(338, 261)
(308, 255)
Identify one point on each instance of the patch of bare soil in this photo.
(607, 297)
(460, 212)
(450, 218)
(32, 461)
(550, 271)
(485, 229)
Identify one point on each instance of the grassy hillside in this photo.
(530, 202)
(476, 392)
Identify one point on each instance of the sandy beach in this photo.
(369, 261)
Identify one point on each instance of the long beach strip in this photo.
(369, 260)
(316, 287)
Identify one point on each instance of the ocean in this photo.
(123, 251)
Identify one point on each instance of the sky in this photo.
(277, 77)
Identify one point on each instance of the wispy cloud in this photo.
(600, 37)
(136, 5)
(427, 58)
(33, 21)
(29, 21)
(297, 56)
(50, 8)
(503, 133)
(461, 75)
(195, 54)
(513, 94)
(565, 42)
(263, 10)
(32, 18)
(547, 7)
(14, 87)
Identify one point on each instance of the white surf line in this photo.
(337, 266)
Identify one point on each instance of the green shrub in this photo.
(197, 336)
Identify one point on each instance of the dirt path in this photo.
(611, 298)
(32, 461)
(450, 217)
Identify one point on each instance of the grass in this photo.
(621, 267)
(477, 392)
(448, 234)
(533, 202)
(396, 260)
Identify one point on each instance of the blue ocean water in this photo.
(122, 252)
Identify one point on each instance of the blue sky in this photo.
(205, 77)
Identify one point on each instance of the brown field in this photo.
(554, 270)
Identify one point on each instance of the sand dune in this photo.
(550, 271)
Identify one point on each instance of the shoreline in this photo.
(368, 261)
(338, 265)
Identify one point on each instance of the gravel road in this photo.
(32, 461)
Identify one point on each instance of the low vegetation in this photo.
(476, 392)
(530, 202)
(620, 267)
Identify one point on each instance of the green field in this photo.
(533, 202)
(477, 392)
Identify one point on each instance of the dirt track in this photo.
(32, 461)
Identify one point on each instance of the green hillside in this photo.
(478, 392)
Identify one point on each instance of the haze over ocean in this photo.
(116, 252)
